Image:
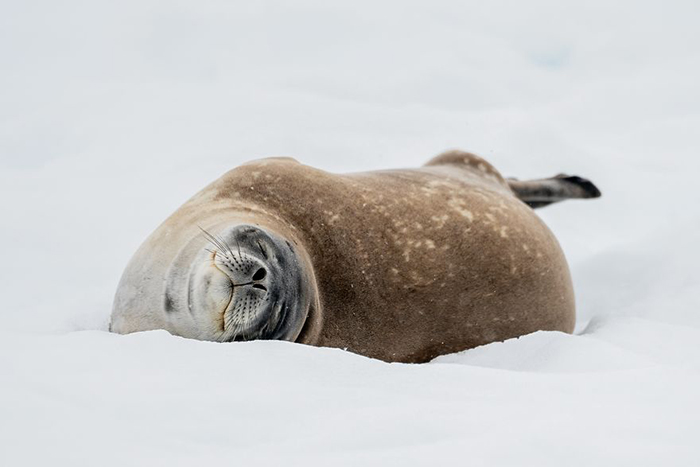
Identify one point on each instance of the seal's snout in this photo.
(265, 295)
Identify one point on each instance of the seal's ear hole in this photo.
(260, 286)
(259, 274)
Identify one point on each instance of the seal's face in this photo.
(237, 283)
(247, 284)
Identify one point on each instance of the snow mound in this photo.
(151, 398)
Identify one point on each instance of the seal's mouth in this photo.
(253, 286)
(246, 315)
(232, 285)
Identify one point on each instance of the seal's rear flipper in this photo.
(543, 192)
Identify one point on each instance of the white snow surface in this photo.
(114, 113)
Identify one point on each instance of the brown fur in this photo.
(409, 264)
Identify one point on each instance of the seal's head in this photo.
(239, 282)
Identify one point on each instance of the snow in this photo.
(113, 114)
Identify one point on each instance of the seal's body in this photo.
(400, 265)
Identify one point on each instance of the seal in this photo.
(400, 265)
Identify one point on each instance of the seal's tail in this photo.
(543, 192)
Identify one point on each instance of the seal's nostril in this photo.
(260, 286)
(259, 274)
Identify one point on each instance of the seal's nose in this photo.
(258, 278)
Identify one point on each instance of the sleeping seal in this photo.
(400, 265)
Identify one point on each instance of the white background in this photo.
(114, 113)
